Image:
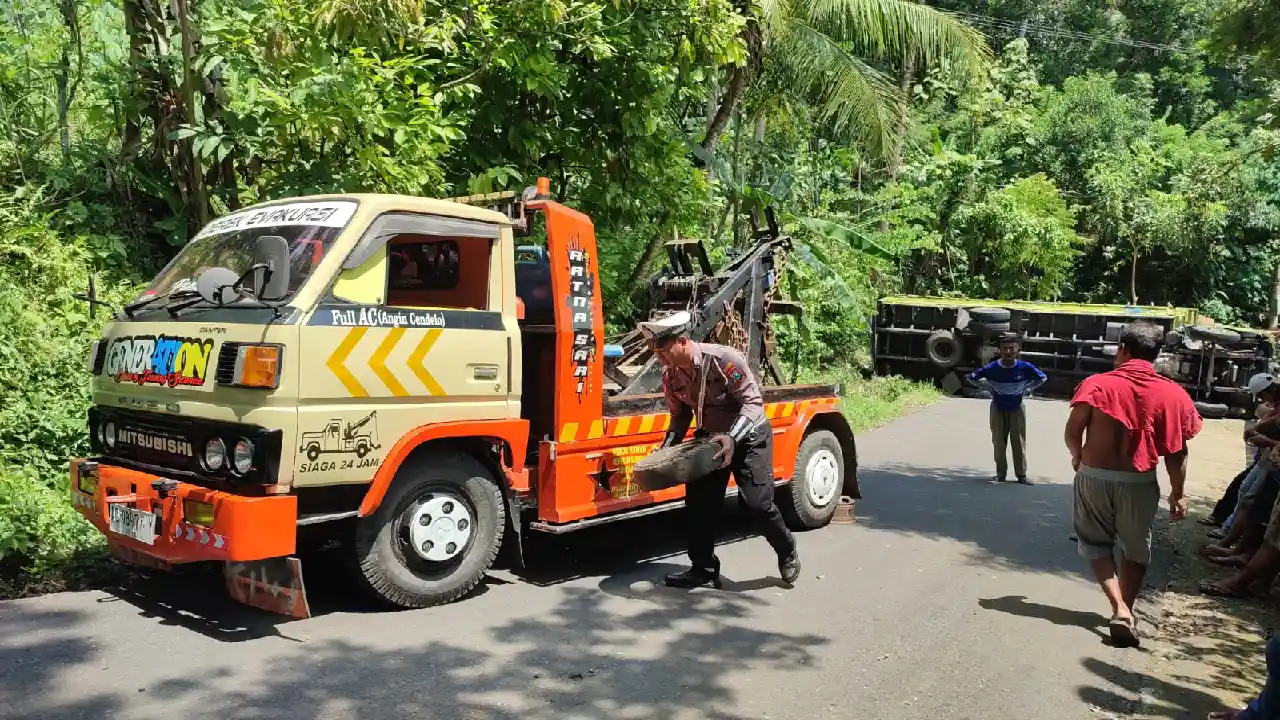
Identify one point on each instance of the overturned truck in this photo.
(943, 339)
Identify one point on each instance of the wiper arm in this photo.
(132, 308)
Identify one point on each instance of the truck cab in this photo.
(392, 370)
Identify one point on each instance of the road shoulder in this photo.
(1205, 653)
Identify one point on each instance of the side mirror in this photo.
(216, 286)
(271, 280)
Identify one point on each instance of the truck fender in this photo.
(513, 433)
(829, 417)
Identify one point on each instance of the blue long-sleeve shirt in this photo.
(1008, 384)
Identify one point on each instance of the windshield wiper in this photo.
(134, 307)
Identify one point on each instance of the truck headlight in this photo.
(242, 456)
(215, 455)
(108, 436)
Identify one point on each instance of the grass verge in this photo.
(870, 402)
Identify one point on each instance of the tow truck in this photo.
(396, 374)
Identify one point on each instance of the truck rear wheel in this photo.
(814, 490)
(435, 534)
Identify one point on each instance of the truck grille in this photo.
(226, 372)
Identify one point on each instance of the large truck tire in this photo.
(943, 349)
(989, 315)
(1220, 336)
(810, 499)
(1212, 411)
(435, 534)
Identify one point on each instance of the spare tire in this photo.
(1212, 334)
(943, 349)
(989, 314)
(1211, 411)
(676, 465)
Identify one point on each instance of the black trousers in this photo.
(752, 470)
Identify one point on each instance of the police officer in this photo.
(715, 383)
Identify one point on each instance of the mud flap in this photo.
(274, 585)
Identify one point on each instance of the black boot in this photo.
(789, 568)
(695, 577)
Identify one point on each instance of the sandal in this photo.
(1224, 715)
(1210, 521)
(1124, 632)
(1217, 533)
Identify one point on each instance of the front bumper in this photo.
(242, 528)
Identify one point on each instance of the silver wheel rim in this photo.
(822, 477)
(440, 527)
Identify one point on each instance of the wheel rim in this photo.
(822, 477)
(440, 526)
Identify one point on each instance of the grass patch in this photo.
(870, 402)
(45, 545)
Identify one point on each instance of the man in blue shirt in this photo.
(1008, 379)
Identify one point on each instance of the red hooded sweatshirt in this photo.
(1157, 412)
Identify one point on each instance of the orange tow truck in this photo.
(400, 374)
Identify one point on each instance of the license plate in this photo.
(132, 523)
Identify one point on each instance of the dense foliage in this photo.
(1081, 151)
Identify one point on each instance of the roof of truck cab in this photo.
(380, 203)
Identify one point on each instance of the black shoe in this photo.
(1025, 481)
(695, 577)
(789, 568)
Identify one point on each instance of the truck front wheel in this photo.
(814, 491)
(435, 534)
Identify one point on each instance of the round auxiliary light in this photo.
(215, 455)
(109, 435)
(242, 456)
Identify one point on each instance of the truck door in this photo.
(412, 333)
(332, 437)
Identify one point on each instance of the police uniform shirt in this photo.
(719, 389)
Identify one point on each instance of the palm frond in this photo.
(889, 29)
(853, 96)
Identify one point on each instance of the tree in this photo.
(825, 50)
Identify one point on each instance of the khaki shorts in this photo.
(1115, 506)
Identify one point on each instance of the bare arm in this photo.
(1081, 413)
(1176, 466)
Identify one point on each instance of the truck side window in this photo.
(428, 271)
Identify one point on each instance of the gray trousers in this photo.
(1006, 426)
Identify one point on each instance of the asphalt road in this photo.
(952, 598)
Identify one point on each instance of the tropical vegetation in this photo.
(1073, 150)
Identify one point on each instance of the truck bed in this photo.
(621, 406)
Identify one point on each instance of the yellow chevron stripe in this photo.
(666, 423)
(569, 432)
(339, 356)
(597, 430)
(787, 409)
(416, 365)
(646, 423)
(621, 426)
(771, 411)
(378, 362)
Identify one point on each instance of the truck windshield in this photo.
(229, 242)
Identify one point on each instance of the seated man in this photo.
(1262, 566)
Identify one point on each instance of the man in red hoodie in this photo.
(1122, 422)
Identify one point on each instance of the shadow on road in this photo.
(1006, 525)
(590, 656)
(1020, 606)
(35, 649)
